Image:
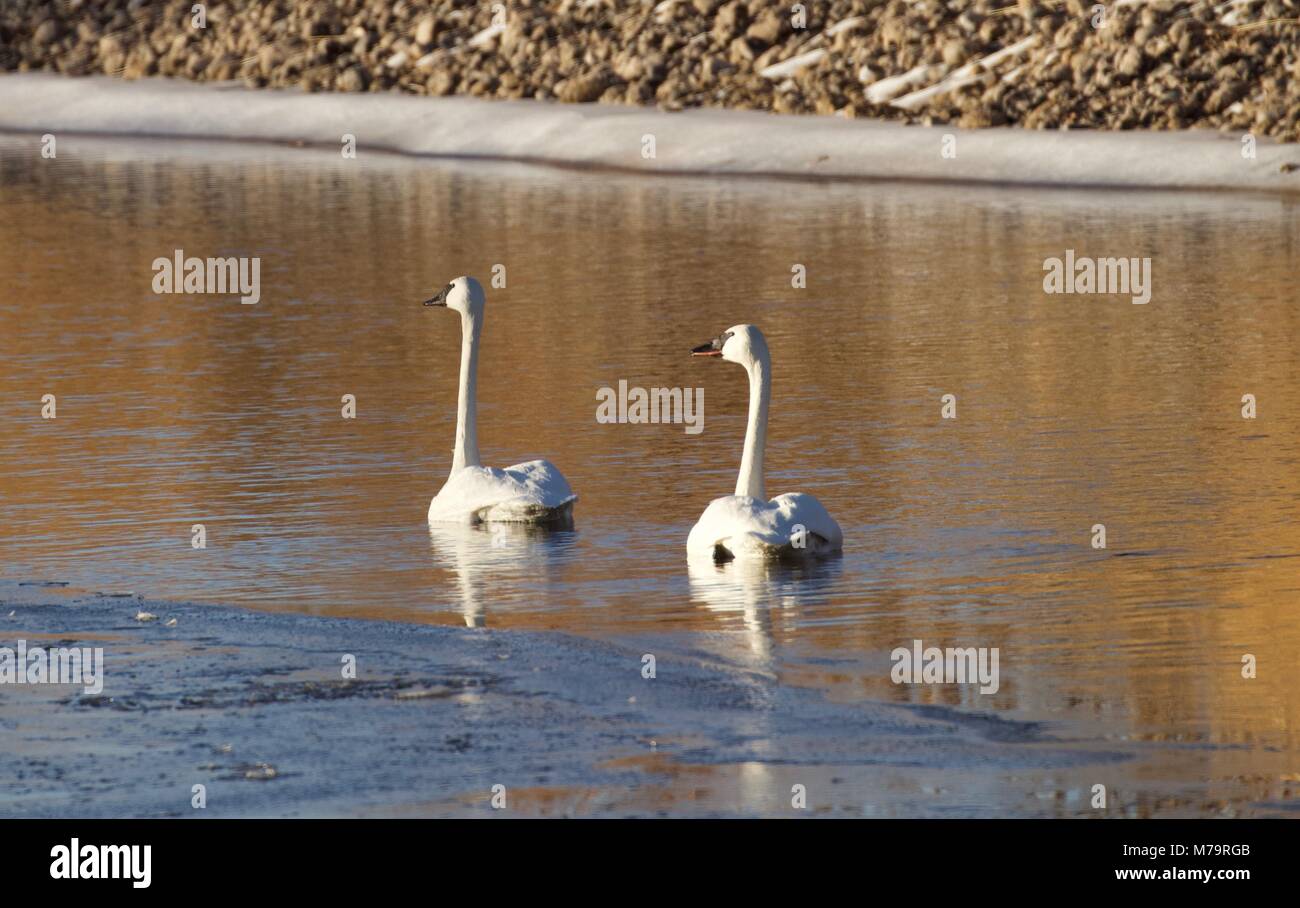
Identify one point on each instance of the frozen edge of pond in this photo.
(438, 715)
(593, 135)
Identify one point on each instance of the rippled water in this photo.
(1072, 411)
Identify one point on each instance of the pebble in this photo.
(261, 772)
(1158, 65)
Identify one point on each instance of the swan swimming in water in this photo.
(532, 492)
(746, 524)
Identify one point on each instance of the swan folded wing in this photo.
(800, 510)
(793, 524)
(526, 492)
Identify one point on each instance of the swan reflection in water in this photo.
(499, 562)
(756, 590)
(761, 593)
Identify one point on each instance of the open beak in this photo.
(439, 300)
(711, 348)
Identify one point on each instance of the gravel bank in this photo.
(1038, 63)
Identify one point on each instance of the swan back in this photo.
(794, 525)
(533, 492)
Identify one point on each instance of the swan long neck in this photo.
(465, 453)
(750, 481)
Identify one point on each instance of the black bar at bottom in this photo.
(331, 857)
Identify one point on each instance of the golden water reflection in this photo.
(1073, 410)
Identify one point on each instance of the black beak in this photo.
(439, 300)
(711, 348)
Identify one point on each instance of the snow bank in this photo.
(696, 141)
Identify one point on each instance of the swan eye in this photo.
(713, 347)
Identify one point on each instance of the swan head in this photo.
(742, 344)
(464, 294)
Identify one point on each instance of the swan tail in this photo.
(530, 512)
(754, 545)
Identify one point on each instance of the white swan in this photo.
(746, 524)
(532, 492)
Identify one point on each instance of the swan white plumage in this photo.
(746, 524)
(532, 492)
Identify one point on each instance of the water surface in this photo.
(1072, 411)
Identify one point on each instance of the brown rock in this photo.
(1129, 62)
(514, 37)
(140, 62)
(955, 52)
(713, 67)
(1225, 96)
(442, 82)
(46, 33)
(629, 67)
(223, 68)
(641, 92)
(109, 45)
(730, 21)
(656, 69)
(670, 89)
(583, 89)
(767, 28)
(1030, 9)
(77, 62)
(425, 31)
(354, 78)
(740, 52)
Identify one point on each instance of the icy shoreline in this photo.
(605, 136)
(254, 707)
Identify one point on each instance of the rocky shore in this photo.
(1043, 64)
